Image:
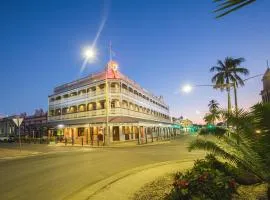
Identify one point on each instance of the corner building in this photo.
(78, 110)
(266, 87)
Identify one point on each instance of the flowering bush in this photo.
(208, 179)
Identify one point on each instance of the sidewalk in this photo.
(122, 186)
(114, 145)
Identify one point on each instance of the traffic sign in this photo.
(17, 121)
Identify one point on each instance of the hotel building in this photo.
(108, 107)
(266, 87)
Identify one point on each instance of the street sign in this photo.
(17, 121)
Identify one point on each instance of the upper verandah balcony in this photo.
(98, 91)
(95, 79)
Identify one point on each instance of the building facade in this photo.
(266, 87)
(7, 126)
(33, 126)
(88, 109)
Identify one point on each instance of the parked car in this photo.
(4, 138)
(11, 139)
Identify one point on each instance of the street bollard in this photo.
(146, 138)
(92, 138)
(152, 137)
(82, 142)
(72, 140)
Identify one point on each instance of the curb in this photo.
(114, 145)
(90, 191)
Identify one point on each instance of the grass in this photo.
(250, 192)
(156, 189)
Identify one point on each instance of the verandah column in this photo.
(139, 135)
(145, 134)
(121, 133)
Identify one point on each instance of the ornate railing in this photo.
(102, 113)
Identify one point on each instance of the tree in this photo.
(227, 6)
(213, 105)
(228, 74)
(247, 146)
(214, 113)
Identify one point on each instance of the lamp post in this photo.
(188, 88)
(107, 104)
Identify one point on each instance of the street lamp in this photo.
(188, 88)
(89, 53)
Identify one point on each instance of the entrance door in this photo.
(116, 136)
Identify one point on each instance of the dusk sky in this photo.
(158, 44)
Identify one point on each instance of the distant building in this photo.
(32, 126)
(35, 125)
(266, 87)
(186, 123)
(7, 126)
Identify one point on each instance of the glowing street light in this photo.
(89, 53)
(187, 88)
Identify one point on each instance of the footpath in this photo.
(124, 185)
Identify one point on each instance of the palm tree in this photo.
(213, 105)
(228, 73)
(214, 114)
(208, 118)
(242, 146)
(211, 118)
(227, 6)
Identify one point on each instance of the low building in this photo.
(7, 126)
(266, 87)
(34, 126)
(108, 107)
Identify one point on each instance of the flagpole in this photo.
(107, 97)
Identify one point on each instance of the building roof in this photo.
(267, 73)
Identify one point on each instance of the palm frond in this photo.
(212, 147)
(230, 151)
(227, 6)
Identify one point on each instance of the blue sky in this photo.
(158, 44)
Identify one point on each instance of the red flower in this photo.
(203, 177)
(181, 183)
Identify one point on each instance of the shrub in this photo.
(208, 179)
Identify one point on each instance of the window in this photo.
(58, 98)
(81, 92)
(113, 104)
(80, 132)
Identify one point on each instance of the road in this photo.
(59, 175)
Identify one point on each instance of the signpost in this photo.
(18, 121)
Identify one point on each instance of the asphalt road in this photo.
(59, 175)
